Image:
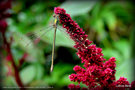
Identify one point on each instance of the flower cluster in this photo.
(4, 6)
(95, 73)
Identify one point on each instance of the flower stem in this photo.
(16, 71)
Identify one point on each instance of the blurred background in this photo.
(110, 25)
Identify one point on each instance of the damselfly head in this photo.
(55, 16)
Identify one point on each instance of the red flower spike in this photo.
(96, 74)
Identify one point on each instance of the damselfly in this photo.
(55, 28)
(42, 32)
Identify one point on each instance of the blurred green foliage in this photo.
(108, 24)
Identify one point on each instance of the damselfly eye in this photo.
(54, 15)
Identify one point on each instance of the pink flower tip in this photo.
(76, 68)
(122, 81)
(72, 77)
(58, 10)
(112, 59)
(71, 86)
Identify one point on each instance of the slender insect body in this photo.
(53, 47)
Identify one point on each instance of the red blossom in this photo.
(84, 88)
(73, 77)
(78, 69)
(110, 63)
(122, 81)
(96, 73)
(74, 87)
(77, 87)
(132, 85)
(4, 6)
(71, 86)
(8, 57)
(3, 25)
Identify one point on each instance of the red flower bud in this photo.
(3, 26)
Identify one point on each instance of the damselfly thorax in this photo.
(55, 20)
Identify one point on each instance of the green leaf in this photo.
(9, 81)
(28, 74)
(39, 71)
(99, 25)
(27, 45)
(77, 8)
(125, 70)
(22, 17)
(38, 83)
(37, 7)
(124, 47)
(108, 52)
(110, 19)
(65, 81)
(96, 10)
(59, 74)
